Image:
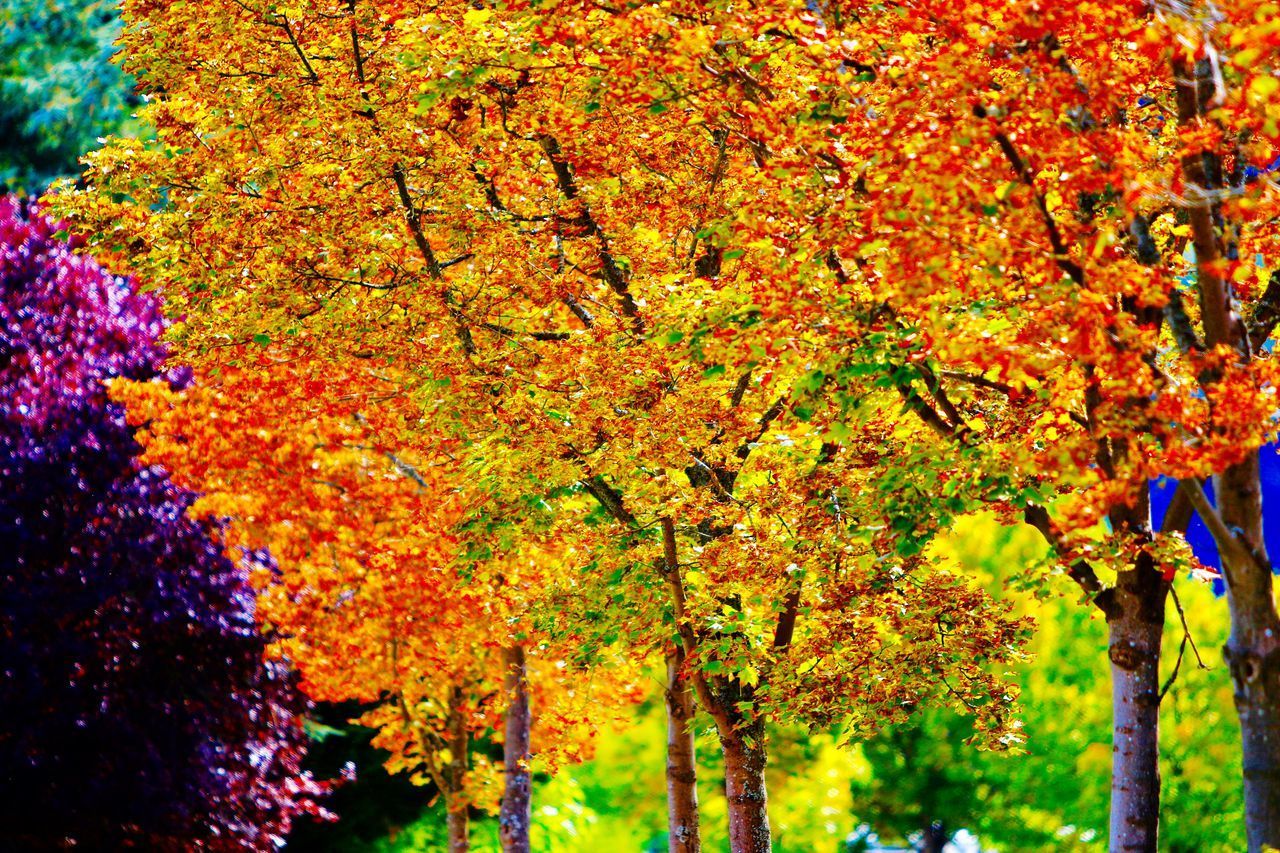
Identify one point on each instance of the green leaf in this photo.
(838, 432)
(810, 382)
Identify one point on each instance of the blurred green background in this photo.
(59, 91)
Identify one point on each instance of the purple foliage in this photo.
(135, 706)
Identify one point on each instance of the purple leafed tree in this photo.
(135, 705)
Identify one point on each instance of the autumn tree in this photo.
(1048, 229)
(541, 215)
(375, 592)
(138, 708)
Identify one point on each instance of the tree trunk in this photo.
(1134, 638)
(682, 770)
(456, 804)
(934, 837)
(1253, 649)
(515, 814)
(459, 838)
(744, 787)
(1253, 652)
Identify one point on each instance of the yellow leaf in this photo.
(1264, 86)
(647, 235)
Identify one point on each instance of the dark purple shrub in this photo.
(135, 706)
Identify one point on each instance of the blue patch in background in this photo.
(1198, 536)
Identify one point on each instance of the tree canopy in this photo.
(687, 328)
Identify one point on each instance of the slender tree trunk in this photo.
(1253, 652)
(516, 811)
(1135, 626)
(1134, 634)
(744, 787)
(682, 770)
(1253, 649)
(459, 835)
(935, 837)
(741, 742)
(456, 804)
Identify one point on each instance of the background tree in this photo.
(137, 706)
(59, 91)
(1055, 795)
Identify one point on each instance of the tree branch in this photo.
(926, 413)
(434, 269)
(288, 31)
(1228, 542)
(609, 498)
(770, 415)
(1221, 323)
(940, 395)
(977, 381)
(1178, 515)
(1266, 313)
(1079, 571)
(1028, 177)
(786, 628)
(613, 274)
(1175, 313)
(688, 637)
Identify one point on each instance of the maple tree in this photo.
(138, 709)
(1053, 216)
(537, 214)
(365, 592)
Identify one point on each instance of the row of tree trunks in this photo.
(514, 814)
(744, 754)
